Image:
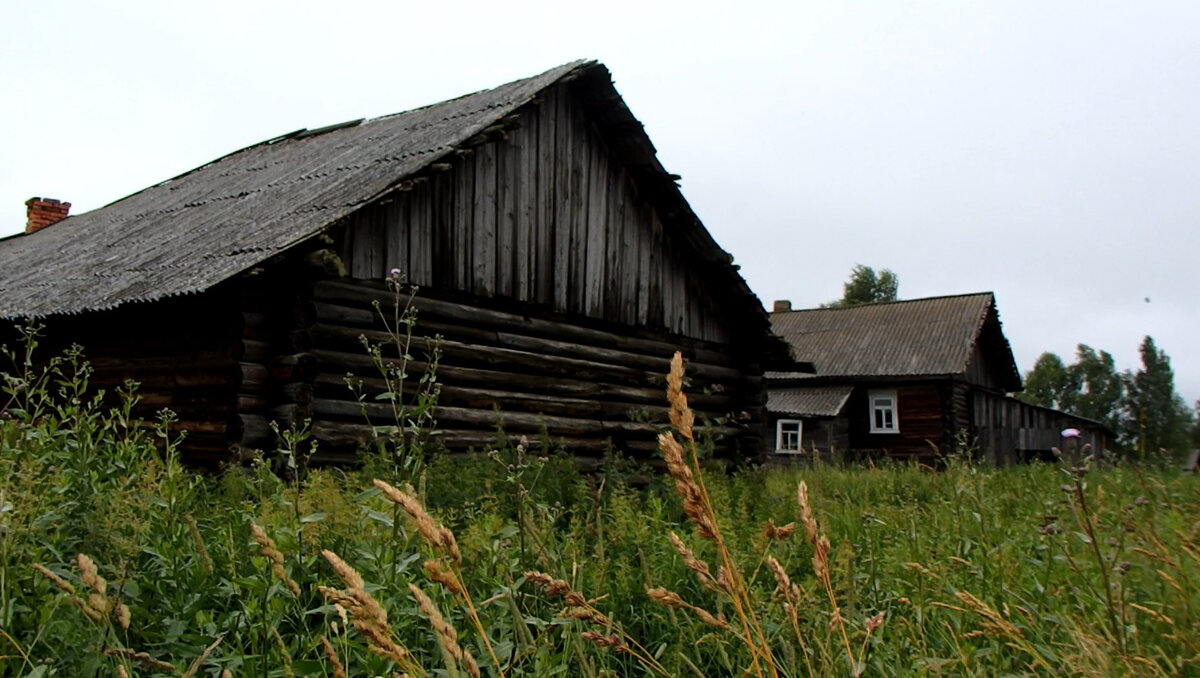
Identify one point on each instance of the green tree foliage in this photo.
(866, 287)
(1098, 390)
(1047, 384)
(1158, 419)
(1141, 407)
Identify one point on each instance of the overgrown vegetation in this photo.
(116, 560)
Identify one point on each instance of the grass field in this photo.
(116, 560)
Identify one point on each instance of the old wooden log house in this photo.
(555, 255)
(915, 379)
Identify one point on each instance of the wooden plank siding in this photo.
(1007, 430)
(545, 215)
(918, 416)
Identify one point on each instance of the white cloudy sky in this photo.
(1046, 150)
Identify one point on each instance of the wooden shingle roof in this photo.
(189, 233)
(933, 337)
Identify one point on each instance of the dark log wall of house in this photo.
(183, 353)
(827, 437)
(530, 373)
(919, 417)
(545, 214)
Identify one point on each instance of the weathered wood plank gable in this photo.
(542, 213)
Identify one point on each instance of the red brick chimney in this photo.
(45, 212)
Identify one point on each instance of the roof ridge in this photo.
(305, 132)
(886, 303)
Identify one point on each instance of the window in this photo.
(883, 412)
(787, 436)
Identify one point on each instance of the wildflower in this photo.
(394, 273)
(1070, 433)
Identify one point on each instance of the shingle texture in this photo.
(917, 338)
(809, 401)
(189, 233)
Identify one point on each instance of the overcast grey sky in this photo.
(1047, 151)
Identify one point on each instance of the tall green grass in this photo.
(1031, 570)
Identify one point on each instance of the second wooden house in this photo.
(916, 379)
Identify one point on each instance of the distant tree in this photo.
(866, 287)
(1048, 383)
(1140, 407)
(1157, 418)
(1090, 387)
(1096, 390)
(1196, 425)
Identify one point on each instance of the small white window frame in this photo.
(883, 411)
(780, 437)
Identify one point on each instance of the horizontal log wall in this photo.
(183, 354)
(584, 386)
(544, 214)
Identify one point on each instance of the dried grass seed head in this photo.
(349, 576)
(90, 575)
(703, 573)
(59, 582)
(681, 414)
(694, 505)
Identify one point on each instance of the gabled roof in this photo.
(187, 234)
(808, 401)
(933, 337)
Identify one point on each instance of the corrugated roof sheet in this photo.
(189, 233)
(915, 338)
(808, 401)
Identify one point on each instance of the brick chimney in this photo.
(783, 306)
(44, 212)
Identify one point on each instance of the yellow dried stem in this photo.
(447, 636)
(444, 577)
(689, 490)
(699, 567)
(671, 599)
(62, 584)
(773, 533)
(681, 415)
(199, 661)
(369, 608)
(380, 642)
(552, 586)
(601, 640)
(349, 576)
(806, 516)
(666, 597)
(91, 612)
(783, 583)
(339, 671)
(414, 509)
(141, 658)
(268, 549)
